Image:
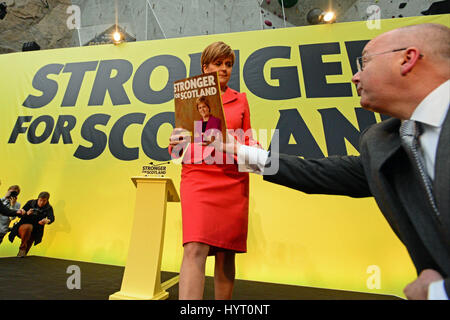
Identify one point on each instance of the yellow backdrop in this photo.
(294, 238)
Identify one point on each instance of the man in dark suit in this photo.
(404, 162)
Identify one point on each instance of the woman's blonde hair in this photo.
(215, 51)
(204, 100)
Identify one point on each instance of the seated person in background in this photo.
(10, 201)
(30, 228)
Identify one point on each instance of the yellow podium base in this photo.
(162, 295)
(123, 296)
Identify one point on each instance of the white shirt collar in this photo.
(433, 109)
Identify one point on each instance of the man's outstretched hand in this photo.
(228, 145)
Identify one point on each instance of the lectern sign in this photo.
(155, 169)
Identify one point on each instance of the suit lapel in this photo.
(387, 143)
(441, 185)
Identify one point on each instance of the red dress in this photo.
(214, 197)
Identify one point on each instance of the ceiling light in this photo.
(117, 37)
(316, 16)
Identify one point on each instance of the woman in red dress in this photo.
(214, 197)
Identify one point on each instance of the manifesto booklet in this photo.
(198, 106)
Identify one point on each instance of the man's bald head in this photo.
(395, 80)
(433, 40)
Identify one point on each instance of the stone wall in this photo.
(45, 21)
(42, 21)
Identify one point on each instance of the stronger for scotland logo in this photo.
(155, 169)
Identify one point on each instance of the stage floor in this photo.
(40, 278)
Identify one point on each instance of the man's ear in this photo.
(410, 57)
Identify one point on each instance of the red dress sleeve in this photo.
(246, 125)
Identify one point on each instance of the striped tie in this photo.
(410, 132)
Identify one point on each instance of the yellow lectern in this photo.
(142, 276)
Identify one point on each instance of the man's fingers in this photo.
(176, 137)
(176, 140)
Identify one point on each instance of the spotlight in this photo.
(3, 11)
(329, 17)
(316, 16)
(30, 46)
(117, 37)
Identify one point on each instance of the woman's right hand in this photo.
(178, 136)
(178, 141)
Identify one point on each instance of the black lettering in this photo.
(149, 135)
(96, 137)
(235, 80)
(141, 80)
(64, 125)
(315, 71)
(354, 50)
(287, 76)
(48, 86)
(195, 68)
(103, 82)
(18, 128)
(78, 70)
(292, 123)
(31, 134)
(338, 129)
(116, 145)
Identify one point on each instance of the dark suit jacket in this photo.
(384, 171)
(38, 230)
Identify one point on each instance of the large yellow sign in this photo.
(79, 122)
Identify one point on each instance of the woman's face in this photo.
(222, 65)
(203, 109)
